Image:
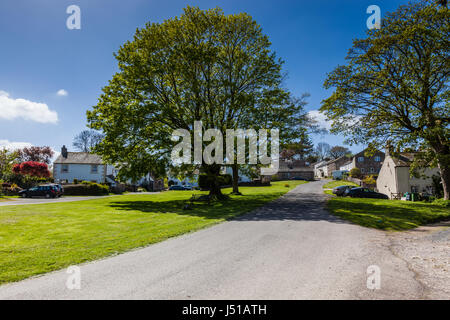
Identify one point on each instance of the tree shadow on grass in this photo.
(294, 207)
(216, 210)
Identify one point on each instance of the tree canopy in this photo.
(394, 86)
(36, 154)
(86, 140)
(338, 151)
(201, 66)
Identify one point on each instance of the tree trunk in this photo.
(235, 179)
(443, 161)
(445, 178)
(213, 172)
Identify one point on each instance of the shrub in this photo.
(287, 185)
(86, 189)
(442, 203)
(370, 180)
(10, 190)
(355, 173)
(75, 181)
(32, 168)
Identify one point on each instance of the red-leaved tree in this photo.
(32, 168)
(36, 154)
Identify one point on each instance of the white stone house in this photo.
(321, 169)
(85, 166)
(82, 166)
(394, 178)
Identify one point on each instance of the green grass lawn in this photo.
(337, 183)
(387, 214)
(8, 198)
(35, 239)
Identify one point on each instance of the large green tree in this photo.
(395, 86)
(201, 66)
(7, 161)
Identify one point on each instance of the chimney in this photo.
(389, 149)
(64, 151)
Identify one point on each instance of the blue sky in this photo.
(40, 56)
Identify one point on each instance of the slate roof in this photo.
(403, 159)
(293, 166)
(79, 158)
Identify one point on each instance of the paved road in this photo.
(24, 201)
(289, 249)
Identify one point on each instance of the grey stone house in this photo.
(290, 169)
(367, 165)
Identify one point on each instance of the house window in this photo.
(360, 159)
(371, 170)
(94, 168)
(377, 158)
(414, 189)
(64, 168)
(362, 170)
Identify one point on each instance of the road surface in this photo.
(289, 249)
(42, 200)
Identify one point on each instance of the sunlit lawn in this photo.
(35, 239)
(387, 214)
(338, 183)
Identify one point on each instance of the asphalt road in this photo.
(289, 249)
(24, 201)
(42, 200)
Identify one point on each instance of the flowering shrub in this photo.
(32, 168)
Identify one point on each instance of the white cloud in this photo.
(62, 93)
(11, 109)
(9, 145)
(320, 118)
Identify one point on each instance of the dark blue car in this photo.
(364, 193)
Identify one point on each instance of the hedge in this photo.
(88, 189)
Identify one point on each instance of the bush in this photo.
(355, 173)
(223, 179)
(442, 203)
(286, 185)
(370, 180)
(10, 189)
(75, 181)
(86, 189)
(255, 183)
(26, 181)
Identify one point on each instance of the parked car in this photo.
(47, 191)
(364, 193)
(59, 188)
(180, 188)
(339, 191)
